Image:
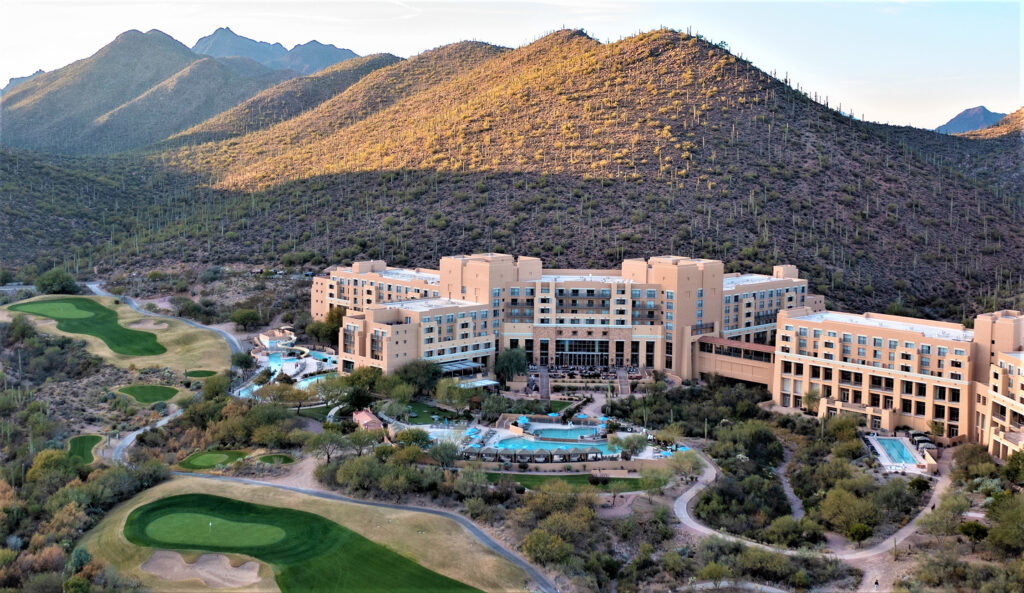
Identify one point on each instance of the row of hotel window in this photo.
(457, 349)
(875, 342)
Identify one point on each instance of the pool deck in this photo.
(894, 466)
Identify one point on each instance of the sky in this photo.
(905, 62)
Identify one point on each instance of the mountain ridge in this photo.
(305, 58)
(969, 120)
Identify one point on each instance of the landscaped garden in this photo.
(78, 315)
(577, 481)
(81, 446)
(424, 413)
(210, 459)
(308, 552)
(148, 394)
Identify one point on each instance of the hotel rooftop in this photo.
(421, 305)
(946, 331)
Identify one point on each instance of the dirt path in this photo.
(796, 505)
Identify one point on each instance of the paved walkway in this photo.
(870, 560)
(623, 378)
(544, 382)
(233, 342)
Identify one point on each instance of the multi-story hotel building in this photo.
(898, 371)
(648, 313)
(687, 317)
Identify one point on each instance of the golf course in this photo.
(210, 459)
(81, 446)
(308, 552)
(77, 315)
(148, 394)
(279, 458)
(327, 545)
(105, 325)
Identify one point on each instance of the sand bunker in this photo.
(148, 324)
(214, 570)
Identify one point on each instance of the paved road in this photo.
(129, 439)
(232, 341)
(541, 581)
(17, 287)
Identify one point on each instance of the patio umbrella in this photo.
(554, 414)
(523, 420)
(927, 446)
(603, 419)
(581, 415)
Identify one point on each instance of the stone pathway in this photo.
(795, 504)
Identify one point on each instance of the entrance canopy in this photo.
(460, 366)
(478, 383)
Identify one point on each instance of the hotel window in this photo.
(700, 303)
(876, 342)
(514, 291)
(669, 295)
(862, 340)
(700, 293)
(652, 294)
(635, 293)
(926, 349)
(893, 344)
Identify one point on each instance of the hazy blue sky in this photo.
(906, 62)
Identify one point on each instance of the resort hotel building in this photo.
(648, 313)
(688, 318)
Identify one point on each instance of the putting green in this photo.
(199, 530)
(147, 394)
(78, 315)
(81, 446)
(314, 554)
(200, 374)
(277, 458)
(208, 459)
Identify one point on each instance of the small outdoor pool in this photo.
(323, 357)
(533, 445)
(897, 450)
(565, 433)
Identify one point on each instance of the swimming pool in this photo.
(323, 357)
(306, 383)
(897, 450)
(533, 445)
(565, 433)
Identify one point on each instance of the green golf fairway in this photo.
(200, 374)
(77, 315)
(208, 459)
(147, 394)
(314, 554)
(277, 458)
(81, 446)
(198, 530)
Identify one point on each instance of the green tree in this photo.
(545, 548)
(242, 360)
(451, 394)
(630, 445)
(1006, 514)
(686, 463)
(327, 444)
(57, 281)
(216, 386)
(974, 531)
(843, 509)
(444, 453)
(510, 363)
(245, 318)
(654, 480)
(362, 439)
(945, 519)
(413, 437)
(811, 400)
(421, 374)
(714, 572)
(859, 532)
(1014, 468)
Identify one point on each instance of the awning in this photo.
(478, 383)
(460, 365)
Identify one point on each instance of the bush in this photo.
(57, 281)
